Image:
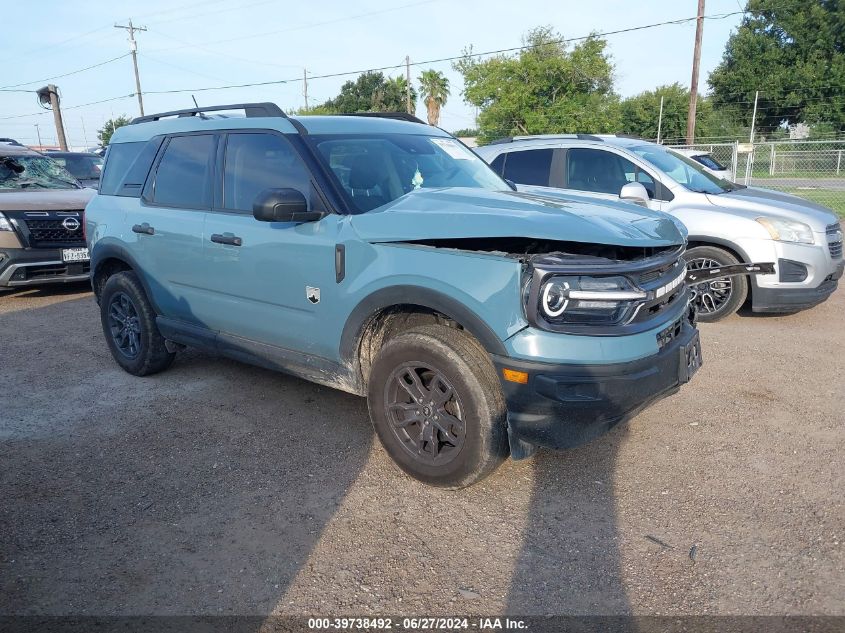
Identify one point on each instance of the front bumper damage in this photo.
(566, 405)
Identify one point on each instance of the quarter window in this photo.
(183, 178)
(120, 158)
(529, 167)
(255, 162)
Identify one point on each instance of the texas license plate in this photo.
(690, 360)
(75, 255)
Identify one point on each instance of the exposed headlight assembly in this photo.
(788, 230)
(4, 223)
(570, 299)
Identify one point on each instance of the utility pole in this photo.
(408, 85)
(660, 120)
(84, 133)
(133, 48)
(696, 60)
(754, 116)
(38, 131)
(305, 87)
(49, 96)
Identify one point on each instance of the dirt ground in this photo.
(219, 488)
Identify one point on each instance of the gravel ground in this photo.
(219, 488)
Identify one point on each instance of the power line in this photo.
(448, 59)
(68, 74)
(81, 105)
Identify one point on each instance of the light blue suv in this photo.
(382, 257)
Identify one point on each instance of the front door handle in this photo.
(144, 229)
(226, 238)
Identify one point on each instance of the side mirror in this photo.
(283, 205)
(635, 193)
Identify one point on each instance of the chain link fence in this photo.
(814, 170)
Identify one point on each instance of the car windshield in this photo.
(375, 169)
(81, 166)
(683, 170)
(34, 172)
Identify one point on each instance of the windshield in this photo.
(375, 169)
(82, 166)
(683, 170)
(34, 172)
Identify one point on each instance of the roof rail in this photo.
(250, 109)
(400, 116)
(501, 141)
(538, 137)
(589, 137)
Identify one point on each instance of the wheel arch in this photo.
(109, 259)
(379, 314)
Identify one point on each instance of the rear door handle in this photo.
(144, 228)
(226, 238)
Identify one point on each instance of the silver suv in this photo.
(727, 223)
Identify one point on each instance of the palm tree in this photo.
(435, 89)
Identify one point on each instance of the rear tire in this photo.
(130, 328)
(717, 298)
(437, 406)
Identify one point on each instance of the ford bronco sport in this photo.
(42, 236)
(382, 257)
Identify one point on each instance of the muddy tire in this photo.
(130, 328)
(437, 406)
(717, 298)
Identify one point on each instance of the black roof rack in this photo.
(501, 141)
(250, 109)
(400, 116)
(588, 137)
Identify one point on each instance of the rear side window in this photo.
(529, 167)
(255, 162)
(119, 159)
(183, 176)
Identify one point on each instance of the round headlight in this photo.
(555, 298)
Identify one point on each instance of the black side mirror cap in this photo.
(283, 205)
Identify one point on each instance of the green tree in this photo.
(371, 92)
(793, 52)
(545, 88)
(434, 86)
(109, 127)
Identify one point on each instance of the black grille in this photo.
(650, 275)
(50, 232)
(835, 247)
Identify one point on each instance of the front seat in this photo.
(366, 183)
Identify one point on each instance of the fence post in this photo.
(734, 159)
(838, 161)
(772, 161)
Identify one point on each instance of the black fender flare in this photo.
(103, 252)
(419, 296)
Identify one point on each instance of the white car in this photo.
(706, 160)
(728, 224)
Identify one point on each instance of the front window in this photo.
(375, 169)
(34, 172)
(683, 170)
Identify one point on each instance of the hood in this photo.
(754, 202)
(45, 199)
(477, 213)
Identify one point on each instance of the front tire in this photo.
(717, 298)
(130, 328)
(437, 406)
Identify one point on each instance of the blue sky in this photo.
(192, 44)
